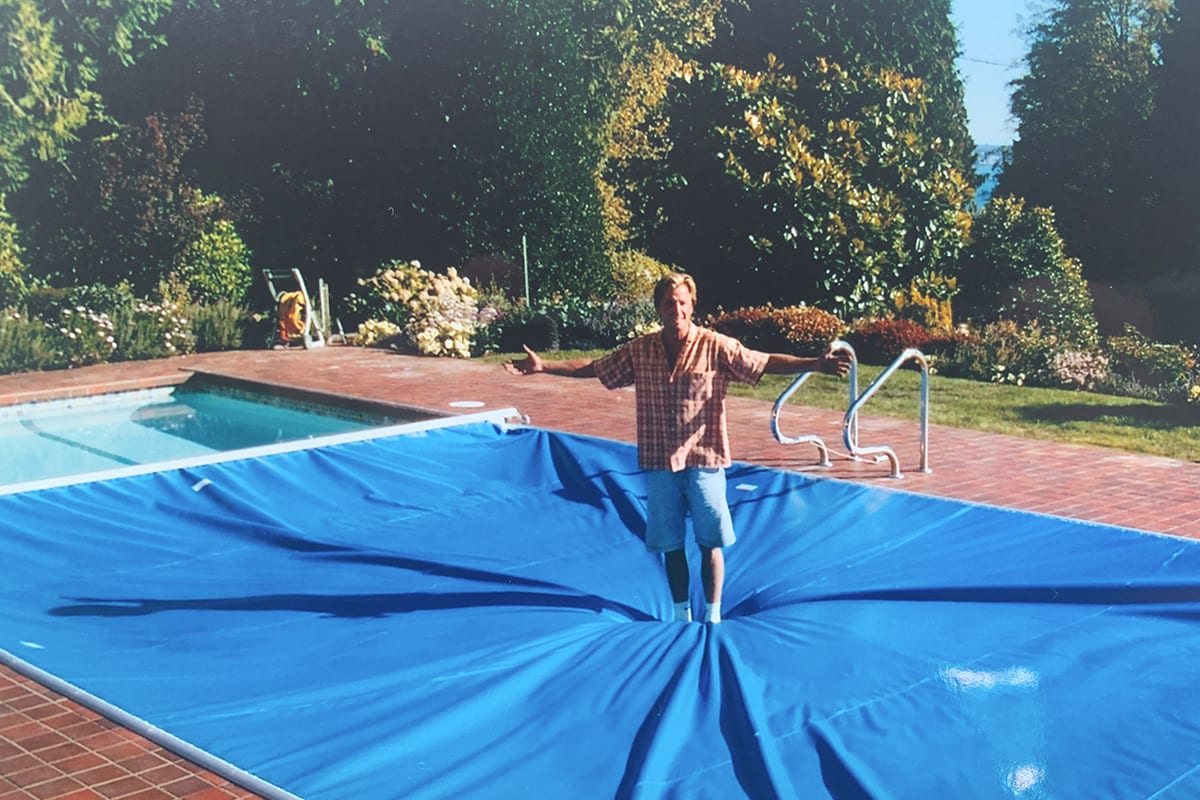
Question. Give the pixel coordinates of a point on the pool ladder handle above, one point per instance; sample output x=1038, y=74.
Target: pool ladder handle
x=850, y=423
x=813, y=439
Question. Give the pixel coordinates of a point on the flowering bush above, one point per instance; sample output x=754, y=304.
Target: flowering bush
x=443, y=337
x=170, y=320
x=84, y=337
x=438, y=313
x=444, y=316
x=376, y=332
x=1080, y=369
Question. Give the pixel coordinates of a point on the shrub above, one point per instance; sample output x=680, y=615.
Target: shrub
x=927, y=302
x=799, y=330
x=378, y=333
x=1004, y=352
x=1017, y=268
x=1140, y=367
x=25, y=344
x=216, y=265
x=12, y=270
x=219, y=326
x=881, y=341
x=569, y=321
x=607, y=324
x=45, y=302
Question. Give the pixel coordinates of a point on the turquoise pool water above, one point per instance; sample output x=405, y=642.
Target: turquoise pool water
x=96, y=434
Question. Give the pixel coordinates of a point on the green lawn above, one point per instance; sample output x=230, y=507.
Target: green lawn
x=1122, y=423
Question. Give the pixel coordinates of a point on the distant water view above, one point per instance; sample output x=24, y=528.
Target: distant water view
x=989, y=159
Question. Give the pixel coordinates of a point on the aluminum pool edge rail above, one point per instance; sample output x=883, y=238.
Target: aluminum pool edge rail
x=499, y=416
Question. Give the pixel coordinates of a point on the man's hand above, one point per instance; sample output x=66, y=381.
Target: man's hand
x=526, y=366
x=835, y=363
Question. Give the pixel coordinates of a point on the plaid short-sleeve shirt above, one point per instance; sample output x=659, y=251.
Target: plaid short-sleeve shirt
x=681, y=411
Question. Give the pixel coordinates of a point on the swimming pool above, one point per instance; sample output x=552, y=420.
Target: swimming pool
x=79, y=436
x=469, y=611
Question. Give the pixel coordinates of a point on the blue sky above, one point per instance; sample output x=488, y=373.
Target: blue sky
x=993, y=49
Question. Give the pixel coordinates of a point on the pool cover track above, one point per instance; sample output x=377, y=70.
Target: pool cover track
x=469, y=611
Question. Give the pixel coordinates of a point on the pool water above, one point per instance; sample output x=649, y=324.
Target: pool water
x=83, y=435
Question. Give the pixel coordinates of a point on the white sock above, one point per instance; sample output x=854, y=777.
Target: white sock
x=683, y=611
x=712, y=612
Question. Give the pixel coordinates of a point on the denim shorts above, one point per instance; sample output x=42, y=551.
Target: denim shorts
x=672, y=496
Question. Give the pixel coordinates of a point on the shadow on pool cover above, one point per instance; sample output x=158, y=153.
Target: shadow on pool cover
x=471, y=613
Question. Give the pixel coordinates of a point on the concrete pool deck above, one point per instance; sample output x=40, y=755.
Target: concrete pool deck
x=50, y=747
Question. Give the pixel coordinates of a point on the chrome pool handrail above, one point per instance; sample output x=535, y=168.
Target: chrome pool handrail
x=850, y=422
x=835, y=346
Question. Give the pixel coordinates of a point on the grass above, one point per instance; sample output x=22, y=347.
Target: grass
x=1056, y=415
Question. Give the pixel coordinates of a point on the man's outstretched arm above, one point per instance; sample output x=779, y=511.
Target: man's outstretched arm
x=533, y=363
x=830, y=363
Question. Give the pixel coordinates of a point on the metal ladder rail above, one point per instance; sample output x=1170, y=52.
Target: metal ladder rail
x=850, y=423
x=836, y=345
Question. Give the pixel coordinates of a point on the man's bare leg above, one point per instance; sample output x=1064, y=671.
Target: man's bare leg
x=712, y=575
x=678, y=580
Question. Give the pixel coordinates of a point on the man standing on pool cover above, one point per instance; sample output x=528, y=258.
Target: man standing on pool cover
x=680, y=377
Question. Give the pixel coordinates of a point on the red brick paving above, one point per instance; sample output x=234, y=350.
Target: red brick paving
x=52, y=748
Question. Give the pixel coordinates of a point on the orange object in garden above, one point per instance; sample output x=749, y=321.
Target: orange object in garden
x=291, y=316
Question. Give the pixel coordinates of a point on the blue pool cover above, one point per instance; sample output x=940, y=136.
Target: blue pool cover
x=470, y=613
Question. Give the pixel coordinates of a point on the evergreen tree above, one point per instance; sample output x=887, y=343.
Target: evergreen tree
x=1082, y=110
x=1174, y=146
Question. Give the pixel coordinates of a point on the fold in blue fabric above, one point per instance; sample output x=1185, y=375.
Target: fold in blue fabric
x=471, y=613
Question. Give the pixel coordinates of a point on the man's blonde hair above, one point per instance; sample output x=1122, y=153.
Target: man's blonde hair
x=667, y=284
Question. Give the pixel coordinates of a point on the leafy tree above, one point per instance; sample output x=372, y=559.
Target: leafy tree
x=445, y=132
x=50, y=59
x=1082, y=110
x=841, y=197
x=299, y=123
x=915, y=38
x=754, y=244
x=129, y=210
x=572, y=94
x=12, y=269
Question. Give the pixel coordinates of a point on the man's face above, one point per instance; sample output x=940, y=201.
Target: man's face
x=675, y=310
